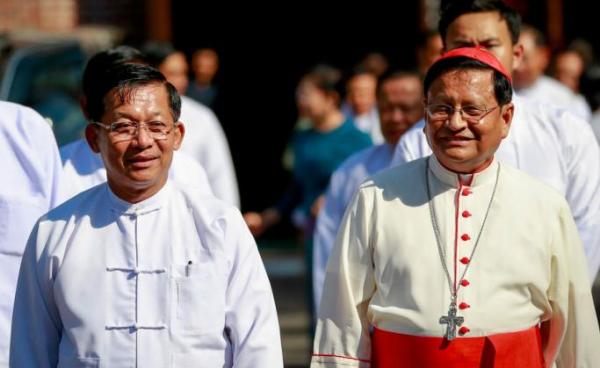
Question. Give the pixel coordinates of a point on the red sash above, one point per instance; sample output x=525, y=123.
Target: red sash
x=514, y=349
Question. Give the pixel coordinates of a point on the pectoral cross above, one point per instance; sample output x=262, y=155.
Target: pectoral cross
x=452, y=321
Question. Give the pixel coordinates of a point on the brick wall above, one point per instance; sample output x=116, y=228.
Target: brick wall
x=45, y=15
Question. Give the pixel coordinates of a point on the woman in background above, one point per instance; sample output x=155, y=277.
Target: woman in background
x=317, y=151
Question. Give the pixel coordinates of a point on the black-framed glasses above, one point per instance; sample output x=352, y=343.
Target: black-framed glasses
x=121, y=131
x=472, y=114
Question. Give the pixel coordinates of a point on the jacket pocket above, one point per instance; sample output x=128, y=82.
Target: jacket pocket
x=199, y=297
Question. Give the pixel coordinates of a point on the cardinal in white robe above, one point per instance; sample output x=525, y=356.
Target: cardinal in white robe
x=457, y=260
x=548, y=143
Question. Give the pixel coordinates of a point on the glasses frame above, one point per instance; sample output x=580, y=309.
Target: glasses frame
x=452, y=110
x=111, y=133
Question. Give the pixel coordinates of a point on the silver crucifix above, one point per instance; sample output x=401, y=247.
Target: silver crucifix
x=452, y=321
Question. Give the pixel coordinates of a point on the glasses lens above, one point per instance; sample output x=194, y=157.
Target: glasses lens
x=124, y=131
x=439, y=112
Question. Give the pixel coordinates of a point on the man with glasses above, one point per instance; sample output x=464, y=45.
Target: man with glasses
x=455, y=259
x=141, y=271
x=84, y=168
x=548, y=143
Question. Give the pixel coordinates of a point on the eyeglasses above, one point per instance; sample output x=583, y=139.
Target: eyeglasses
x=126, y=130
x=472, y=114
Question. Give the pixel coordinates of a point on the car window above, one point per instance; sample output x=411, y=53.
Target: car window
x=47, y=78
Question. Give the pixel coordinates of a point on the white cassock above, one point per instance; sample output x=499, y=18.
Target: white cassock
x=205, y=141
x=552, y=146
x=31, y=185
x=83, y=169
x=386, y=288
x=550, y=91
x=344, y=182
x=173, y=281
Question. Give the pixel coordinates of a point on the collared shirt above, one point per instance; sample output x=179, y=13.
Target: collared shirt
x=553, y=146
x=31, y=185
x=173, y=281
x=386, y=269
x=342, y=186
x=205, y=141
x=84, y=169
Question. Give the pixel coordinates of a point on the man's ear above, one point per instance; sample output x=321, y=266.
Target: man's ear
x=91, y=136
x=83, y=106
x=179, y=133
x=507, y=114
x=517, y=54
x=424, y=104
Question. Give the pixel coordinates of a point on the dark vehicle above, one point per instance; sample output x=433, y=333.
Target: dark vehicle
x=46, y=77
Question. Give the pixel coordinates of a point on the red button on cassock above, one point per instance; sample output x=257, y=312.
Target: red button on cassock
x=466, y=192
x=466, y=214
x=464, y=282
x=465, y=237
x=464, y=330
x=464, y=260
x=464, y=305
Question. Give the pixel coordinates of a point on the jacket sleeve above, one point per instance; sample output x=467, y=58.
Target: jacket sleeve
x=342, y=336
x=250, y=317
x=36, y=328
x=582, y=155
x=572, y=337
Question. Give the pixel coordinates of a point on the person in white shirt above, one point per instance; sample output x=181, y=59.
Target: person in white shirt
x=205, y=140
x=83, y=168
x=33, y=184
x=141, y=271
x=400, y=107
x=548, y=143
x=531, y=82
x=456, y=259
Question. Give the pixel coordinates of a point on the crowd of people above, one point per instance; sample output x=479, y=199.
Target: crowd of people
x=449, y=214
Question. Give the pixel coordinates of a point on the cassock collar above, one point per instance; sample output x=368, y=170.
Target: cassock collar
x=487, y=175
x=153, y=203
